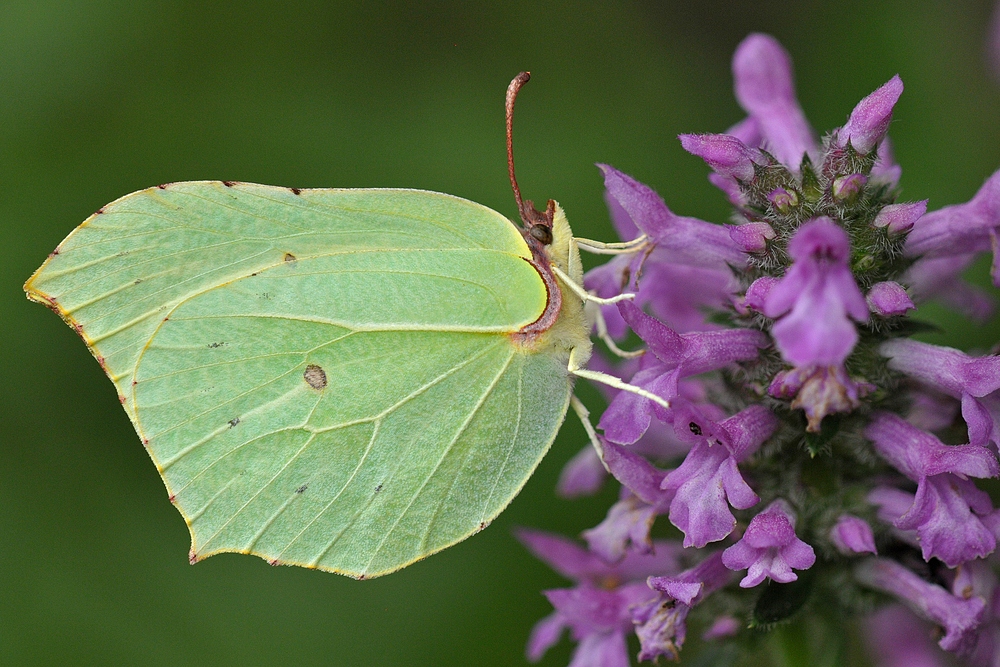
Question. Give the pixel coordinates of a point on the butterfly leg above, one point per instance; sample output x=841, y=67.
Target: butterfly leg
x=597, y=376
x=587, y=296
x=581, y=411
x=600, y=248
x=595, y=315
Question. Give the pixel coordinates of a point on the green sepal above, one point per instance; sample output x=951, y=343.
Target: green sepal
x=779, y=602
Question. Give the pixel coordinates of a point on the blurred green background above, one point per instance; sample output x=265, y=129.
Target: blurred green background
x=98, y=99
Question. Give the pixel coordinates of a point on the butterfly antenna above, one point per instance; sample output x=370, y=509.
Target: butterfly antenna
x=536, y=223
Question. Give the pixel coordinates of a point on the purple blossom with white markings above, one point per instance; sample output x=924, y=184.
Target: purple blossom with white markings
x=776, y=415
x=816, y=298
x=948, y=510
x=769, y=549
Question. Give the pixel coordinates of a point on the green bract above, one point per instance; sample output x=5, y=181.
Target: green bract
x=348, y=380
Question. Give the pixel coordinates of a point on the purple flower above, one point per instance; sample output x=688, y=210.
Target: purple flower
x=660, y=623
x=961, y=229
x=977, y=579
x=821, y=295
x=886, y=170
x=723, y=626
x=674, y=356
x=969, y=379
x=709, y=480
x=572, y=561
x=852, y=535
x=888, y=299
x=948, y=510
x=629, y=520
x=959, y=617
x=597, y=618
x=597, y=609
x=897, y=638
x=931, y=410
x=687, y=270
x=765, y=88
x=769, y=548
x=819, y=391
x=891, y=504
x=582, y=475
x=688, y=240
x=727, y=156
x=940, y=278
x=870, y=119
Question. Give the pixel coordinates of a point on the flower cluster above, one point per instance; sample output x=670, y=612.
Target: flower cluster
x=813, y=455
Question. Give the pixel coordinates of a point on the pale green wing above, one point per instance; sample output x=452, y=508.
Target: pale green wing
x=118, y=275
x=323, y=377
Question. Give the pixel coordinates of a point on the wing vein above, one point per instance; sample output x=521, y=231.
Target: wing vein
x=461, y=430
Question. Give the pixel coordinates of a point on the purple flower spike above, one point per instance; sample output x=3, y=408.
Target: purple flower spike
x=852, y=535
x=709, y=480
x=727, y=156
x=769, y=548
x=751, y=237
x=899, y=218
x=959, y=617
x=959, y=229
x=765, y=89
x=888, y=298
x=969, y=379
x=660, y=624
x=821, y=294
x=870, y=119
x=948, y=511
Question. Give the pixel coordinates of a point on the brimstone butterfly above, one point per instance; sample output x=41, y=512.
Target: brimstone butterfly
x=348, y=380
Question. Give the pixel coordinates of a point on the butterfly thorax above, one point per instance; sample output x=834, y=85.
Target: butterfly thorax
x=563, y=327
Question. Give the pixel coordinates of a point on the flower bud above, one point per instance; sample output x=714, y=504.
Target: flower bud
x=870, y=119
x=752, y=237
x=848, y=187
x=899, y=218
x=888, y=298
x=783, y=200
